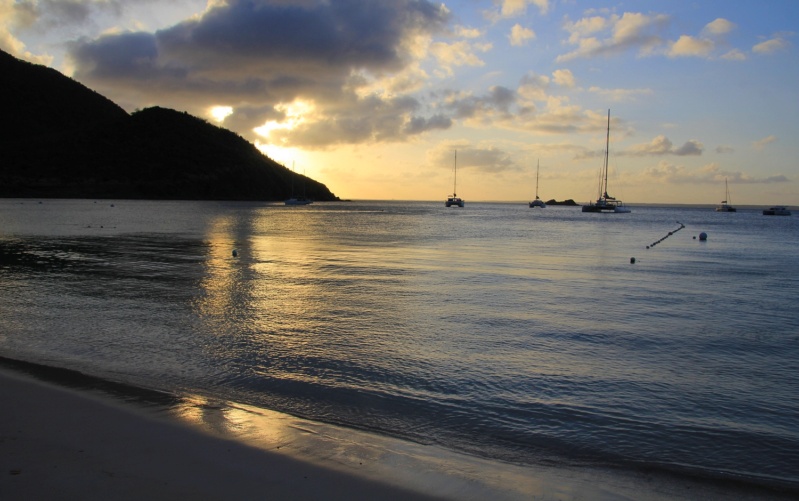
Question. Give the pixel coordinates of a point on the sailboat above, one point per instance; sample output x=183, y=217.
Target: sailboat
x=605, y=202
x=454, y=199
x=294, y=200
x=537, y=202
x=724, y=206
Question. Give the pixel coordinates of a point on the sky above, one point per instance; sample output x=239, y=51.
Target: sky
x=374, y=98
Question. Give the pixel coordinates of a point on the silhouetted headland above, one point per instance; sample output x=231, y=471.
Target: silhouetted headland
x=68, y=141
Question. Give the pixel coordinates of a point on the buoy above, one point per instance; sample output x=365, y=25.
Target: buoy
x=235, y=253
x=632, y=260
x=703, y=236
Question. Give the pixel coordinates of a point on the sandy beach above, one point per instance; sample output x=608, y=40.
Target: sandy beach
x=62, y=443
x=58, y=443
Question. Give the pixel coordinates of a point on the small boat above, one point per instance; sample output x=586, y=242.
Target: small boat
x=537, y=202
x=295, y=200
x=605, y=202
x=724, y=206
x=777, y=210
x=454, y=200
x=298, y=201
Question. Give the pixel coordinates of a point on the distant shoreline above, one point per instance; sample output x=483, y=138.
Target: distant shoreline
x=565, y=203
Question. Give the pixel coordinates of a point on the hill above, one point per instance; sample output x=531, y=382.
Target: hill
x=65, y=140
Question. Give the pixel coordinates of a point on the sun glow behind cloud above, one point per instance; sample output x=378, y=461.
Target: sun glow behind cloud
x=220, y=113
x=294, y=114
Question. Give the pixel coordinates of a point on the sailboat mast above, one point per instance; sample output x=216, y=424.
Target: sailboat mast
x=455, y=184
x=537, y=165
x=607, y=148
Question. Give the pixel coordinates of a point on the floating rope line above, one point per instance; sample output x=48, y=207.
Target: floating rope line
x=667, y=236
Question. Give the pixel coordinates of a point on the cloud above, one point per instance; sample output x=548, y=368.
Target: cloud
x=688, y=46
x=460, y=53
x=16, y=16
x=534, y=87
x=770, y=46
x=514, y=8
x=712, y=173
x=484, y=159
x=631, y=30
x=620, y=95
x=609, y=35
x=519, y=35
x=47, y=14
x=724, y=149
x=734, y=55
x=354, y=61
x=418, y=125
x=362, y=120
x=661, y=145
x=762, y=143
x=481, y=109
x=564, y=78
x=719, y=26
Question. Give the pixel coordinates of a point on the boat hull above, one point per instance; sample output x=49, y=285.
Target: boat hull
x=776, y=211
x=607, y=208
x=454, y=203
x=298, y=201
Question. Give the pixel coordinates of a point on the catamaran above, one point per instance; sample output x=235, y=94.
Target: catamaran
x=537, y=202
x=605, y=202
x=454, y=199
x=295, y=200
x=725, y=206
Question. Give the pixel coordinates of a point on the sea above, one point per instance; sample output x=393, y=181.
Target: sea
x=662, y=340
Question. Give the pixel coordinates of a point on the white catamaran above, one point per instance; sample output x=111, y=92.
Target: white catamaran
x=605, y=202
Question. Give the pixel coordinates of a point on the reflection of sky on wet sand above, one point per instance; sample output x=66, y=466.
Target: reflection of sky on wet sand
x=429, y=469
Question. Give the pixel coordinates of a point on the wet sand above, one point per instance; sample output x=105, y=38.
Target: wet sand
x=57, y=443
x=63, y=443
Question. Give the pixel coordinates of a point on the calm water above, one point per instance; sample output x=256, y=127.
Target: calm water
x=510, y=333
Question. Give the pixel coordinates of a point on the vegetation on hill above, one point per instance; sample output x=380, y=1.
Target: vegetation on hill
x=68, y=141
x=568, y=202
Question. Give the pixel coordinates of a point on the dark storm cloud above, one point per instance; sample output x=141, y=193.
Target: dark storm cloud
x=258, y=54
x=126, y=56
x=345, y=33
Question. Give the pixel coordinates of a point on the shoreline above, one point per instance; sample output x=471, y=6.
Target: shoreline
x=59, y=443
x=84, y=442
